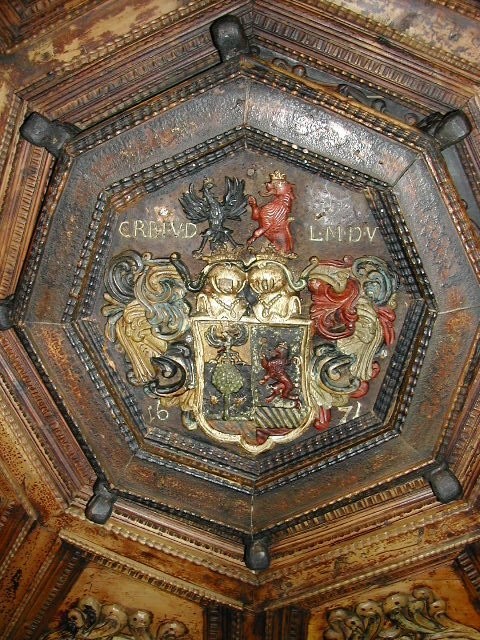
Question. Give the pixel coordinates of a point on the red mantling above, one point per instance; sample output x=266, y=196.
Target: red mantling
x=334, y=314
x=386, y=317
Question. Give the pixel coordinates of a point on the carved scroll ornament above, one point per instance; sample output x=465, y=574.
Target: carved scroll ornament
x=89, y=619
x=420, y=615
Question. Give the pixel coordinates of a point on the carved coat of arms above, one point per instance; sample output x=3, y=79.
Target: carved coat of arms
x=250, y=348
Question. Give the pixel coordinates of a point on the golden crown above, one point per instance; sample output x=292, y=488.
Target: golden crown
x=276, y=176
x=225, y=254
x=268, y=253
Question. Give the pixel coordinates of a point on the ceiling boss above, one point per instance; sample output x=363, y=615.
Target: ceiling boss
x=245, y=349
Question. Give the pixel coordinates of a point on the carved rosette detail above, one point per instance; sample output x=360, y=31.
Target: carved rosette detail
x=420, y=615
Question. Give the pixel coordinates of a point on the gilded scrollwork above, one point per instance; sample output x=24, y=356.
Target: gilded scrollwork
x=91, y=620
x=148, y=321
x=353, y=312
x=419, y=615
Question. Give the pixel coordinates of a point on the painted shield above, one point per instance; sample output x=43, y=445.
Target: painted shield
x=252, y=382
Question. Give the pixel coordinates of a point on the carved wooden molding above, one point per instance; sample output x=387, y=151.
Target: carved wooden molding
x=468, y=565
x=392, y=40
x=222, y=623
x=69, y=469
x=466, y=437
x=86, y=140
x=169, y=536
x=16, y=519
x=21, y=19
x=380, y=71
x=46, y=588
x=333, y=578
x=182, y=588
x=148, y=56
x=290, y=623
x=466, y=7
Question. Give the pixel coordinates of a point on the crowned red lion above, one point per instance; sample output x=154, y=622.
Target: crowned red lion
x=274, y=217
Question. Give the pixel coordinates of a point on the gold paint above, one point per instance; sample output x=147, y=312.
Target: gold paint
x=363, y=344
x=158, y=290
x=42, y=52
x=232, y=331
x=221, y=311
x=277, y=294
x=184, y=401
x=71, y=51
x=365, y=341
x=123, y=22
x=220, y=295
x=5, y=89
x=199, y=327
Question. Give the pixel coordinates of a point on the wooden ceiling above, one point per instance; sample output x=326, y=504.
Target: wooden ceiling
x=211, y=540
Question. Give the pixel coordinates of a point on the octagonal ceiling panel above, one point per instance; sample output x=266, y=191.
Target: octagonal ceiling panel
x=296, y=352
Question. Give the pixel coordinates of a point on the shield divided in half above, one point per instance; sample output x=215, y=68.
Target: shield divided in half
x=251, y=380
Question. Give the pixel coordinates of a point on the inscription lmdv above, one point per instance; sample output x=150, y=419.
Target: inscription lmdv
x=337, y=233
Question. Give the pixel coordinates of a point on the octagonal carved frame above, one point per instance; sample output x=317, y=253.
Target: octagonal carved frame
x=415, y=180
x=314, y=542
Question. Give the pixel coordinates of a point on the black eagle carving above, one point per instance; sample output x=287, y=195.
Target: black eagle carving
x=208, y=208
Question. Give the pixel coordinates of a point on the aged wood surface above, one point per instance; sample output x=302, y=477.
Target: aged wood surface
x=339, y=519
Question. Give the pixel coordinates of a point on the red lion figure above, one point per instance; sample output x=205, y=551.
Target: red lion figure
x=275, y=368
x=274, y=217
